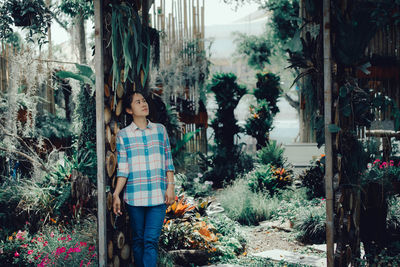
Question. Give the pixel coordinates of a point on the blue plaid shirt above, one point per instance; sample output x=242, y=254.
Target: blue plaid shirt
x=144, y=157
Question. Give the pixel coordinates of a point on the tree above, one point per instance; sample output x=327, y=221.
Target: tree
x=227, y=160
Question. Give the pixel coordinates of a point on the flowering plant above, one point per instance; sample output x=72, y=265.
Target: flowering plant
x=383, y=172
x=52, y=247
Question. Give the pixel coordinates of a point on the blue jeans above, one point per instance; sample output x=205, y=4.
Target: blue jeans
x=146, y=223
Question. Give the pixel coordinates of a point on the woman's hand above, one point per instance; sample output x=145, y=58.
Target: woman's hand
x=170, y=194
x=117, y=205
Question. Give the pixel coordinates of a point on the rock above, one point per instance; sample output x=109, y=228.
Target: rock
x=186, y=257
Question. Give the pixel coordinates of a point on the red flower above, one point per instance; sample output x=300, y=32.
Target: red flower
x=30, y=252
x=16, y=254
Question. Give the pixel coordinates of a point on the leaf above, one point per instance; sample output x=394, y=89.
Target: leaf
x=67, y=74
x=84, y=70
x=364, y=68
x=333, y=128
x=186, y=138
x=343, y=91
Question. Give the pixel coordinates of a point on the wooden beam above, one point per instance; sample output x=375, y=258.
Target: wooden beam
x=100, y=142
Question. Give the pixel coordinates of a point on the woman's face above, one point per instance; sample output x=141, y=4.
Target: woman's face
x=139, y=106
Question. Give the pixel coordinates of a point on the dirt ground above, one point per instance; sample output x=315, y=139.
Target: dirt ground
x=271, y=235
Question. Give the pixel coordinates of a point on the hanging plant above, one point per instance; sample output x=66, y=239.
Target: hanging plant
x=130, y=43
x=30, y=14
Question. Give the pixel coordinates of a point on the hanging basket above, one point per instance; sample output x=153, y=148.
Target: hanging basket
x=22, y=20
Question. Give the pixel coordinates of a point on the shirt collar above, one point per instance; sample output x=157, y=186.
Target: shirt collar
x=135, y=127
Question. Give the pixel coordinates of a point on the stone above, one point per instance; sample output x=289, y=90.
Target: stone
x=292, y=257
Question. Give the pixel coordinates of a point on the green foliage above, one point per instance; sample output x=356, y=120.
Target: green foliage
x=85, y=114
x=285, y=18
x=260, y=123
x=227, y=94
x=52, y=126
x=130, y=43
x=354, y=32
x=311, y=223
x=86, y=109
x=393, y=216
x=257, y=49
x=226, y=166
x=85, y=75
x=268, y=179
x=227, y=160
x=28, y=14
x=53, y=245
x=313, y=179
x=245, y=206
x=77, y=7
x=268, y=88
x=194, y=186
x=272, y=154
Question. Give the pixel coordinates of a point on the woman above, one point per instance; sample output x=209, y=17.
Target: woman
x=145, y=166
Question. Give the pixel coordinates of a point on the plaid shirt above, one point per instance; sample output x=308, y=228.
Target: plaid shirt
x=144, y=157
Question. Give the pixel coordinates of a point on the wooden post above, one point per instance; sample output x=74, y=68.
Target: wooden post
x=328, y=138
x=100, y=142
x=185, y=19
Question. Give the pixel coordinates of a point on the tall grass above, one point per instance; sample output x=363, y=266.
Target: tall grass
x=245, y=206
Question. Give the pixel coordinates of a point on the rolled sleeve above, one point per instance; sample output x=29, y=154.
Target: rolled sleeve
x=122, y=158
x=169, y=164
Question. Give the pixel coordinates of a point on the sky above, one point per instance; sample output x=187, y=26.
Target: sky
x=216, y=13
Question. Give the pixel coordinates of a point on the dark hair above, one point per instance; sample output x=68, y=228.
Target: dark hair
x=127, y=99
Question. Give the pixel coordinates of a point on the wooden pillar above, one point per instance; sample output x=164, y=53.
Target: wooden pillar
x=100, y=143
x=328, y=138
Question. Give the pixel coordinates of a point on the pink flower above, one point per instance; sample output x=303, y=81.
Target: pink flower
x=92, y=248
x=45, y=244
x=16, y=254
x=52, y=234
x=24, y=245
x=80, y=265
x=30, y=252
x=40, y=239
x=376, y=161
x=77, y=250
x=383, y=165
x=391, y=163
x=83, y=244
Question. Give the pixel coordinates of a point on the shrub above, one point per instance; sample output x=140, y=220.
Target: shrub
x=267, y=178
x=268, y=89
x=393, y=217
x=61, y=247
x=311, y=223
x=313, y=179
x=272, y=154
x=245, y=206
x=226, y=155
x=195, y=187
x=260, y=123
x=226, y=166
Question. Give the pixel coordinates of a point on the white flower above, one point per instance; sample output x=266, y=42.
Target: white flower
x=196, y=180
